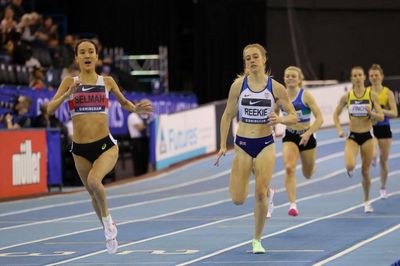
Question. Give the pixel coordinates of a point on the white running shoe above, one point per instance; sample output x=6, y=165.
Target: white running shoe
x=368, y=208
x=110, y=232
x=112, y=246
x=383, y=193
x=270, y=202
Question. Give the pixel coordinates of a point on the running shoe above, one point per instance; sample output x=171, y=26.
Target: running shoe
x=270, y=202
x=368, y=208
x=257, y=247
x=350, y=173
x=112, y=246
x=383, y=193
x=110, y=232
x=293, y=211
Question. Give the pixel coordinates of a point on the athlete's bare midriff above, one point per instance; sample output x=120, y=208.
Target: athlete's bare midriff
x=253, y=130
x=89, y=127
x=360, y=125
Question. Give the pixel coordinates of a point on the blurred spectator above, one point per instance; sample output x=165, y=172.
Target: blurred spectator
x=47, y=31
x=45, y=120
x=55, y=53
x=34, y=26
x=19, y=118
x=139, y=143
x=67, y=51
x=24, y=26
x=71, y=71
x=18, y=50
x=16, y=6
x=7, y=24
x=38, y=79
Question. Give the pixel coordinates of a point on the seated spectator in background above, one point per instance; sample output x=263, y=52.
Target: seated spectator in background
x=16, y=6
x=18, y=50
x=19, y=118
x=32, y=61
x=67, y=51
x=137, y=127
x=48, y=30
x=7, y=24
x=71, y=71
x=44, y=120
x=34, y=26
x=38, y=79
x=24, y=27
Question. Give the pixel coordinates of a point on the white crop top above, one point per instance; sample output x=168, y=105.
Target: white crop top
x=89, y=99
x=255, y=107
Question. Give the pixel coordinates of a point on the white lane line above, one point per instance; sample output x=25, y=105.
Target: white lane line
x=358, y=245
x=169, y=198
x=278, y=232
x=237, y=218
x=305, y=183
x=134, y=183
x=198, y=180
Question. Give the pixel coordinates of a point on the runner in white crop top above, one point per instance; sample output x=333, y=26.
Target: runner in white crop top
x=89, y=98
x=94, y=151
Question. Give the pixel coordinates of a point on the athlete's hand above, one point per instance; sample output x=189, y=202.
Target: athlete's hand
x=222, y=152
x=273, y=119
x=72, y=88
x=143, y=107
x=304, y=138
x=368, y=109
x=341, y=134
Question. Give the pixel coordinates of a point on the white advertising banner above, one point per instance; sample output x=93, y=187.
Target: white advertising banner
x=185, y=135
x=327, y=98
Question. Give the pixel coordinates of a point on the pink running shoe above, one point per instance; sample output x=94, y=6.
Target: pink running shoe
x=293, y=212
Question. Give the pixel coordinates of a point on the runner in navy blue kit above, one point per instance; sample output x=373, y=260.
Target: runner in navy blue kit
x=94, y=149
x=382, y=131
x=254, y=95
x=299, y=139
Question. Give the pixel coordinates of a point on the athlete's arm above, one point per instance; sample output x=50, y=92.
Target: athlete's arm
x=309, y=100
x=392, y=111
x=142, y=107
x=376, y=115
x=230, y=112
x=339, y=108
x=282, y=99
x=66, y=88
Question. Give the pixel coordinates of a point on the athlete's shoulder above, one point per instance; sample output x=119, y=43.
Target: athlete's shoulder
x=277, y=85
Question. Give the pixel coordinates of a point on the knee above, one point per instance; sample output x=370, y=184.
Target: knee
x=260, y=195
x=290, y=170
x=365, y=172
x=93, y=185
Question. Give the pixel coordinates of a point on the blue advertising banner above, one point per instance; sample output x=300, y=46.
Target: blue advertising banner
x=54, y=166
x=117, y=115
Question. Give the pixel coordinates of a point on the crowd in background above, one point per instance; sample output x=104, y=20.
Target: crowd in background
x=34, y=41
